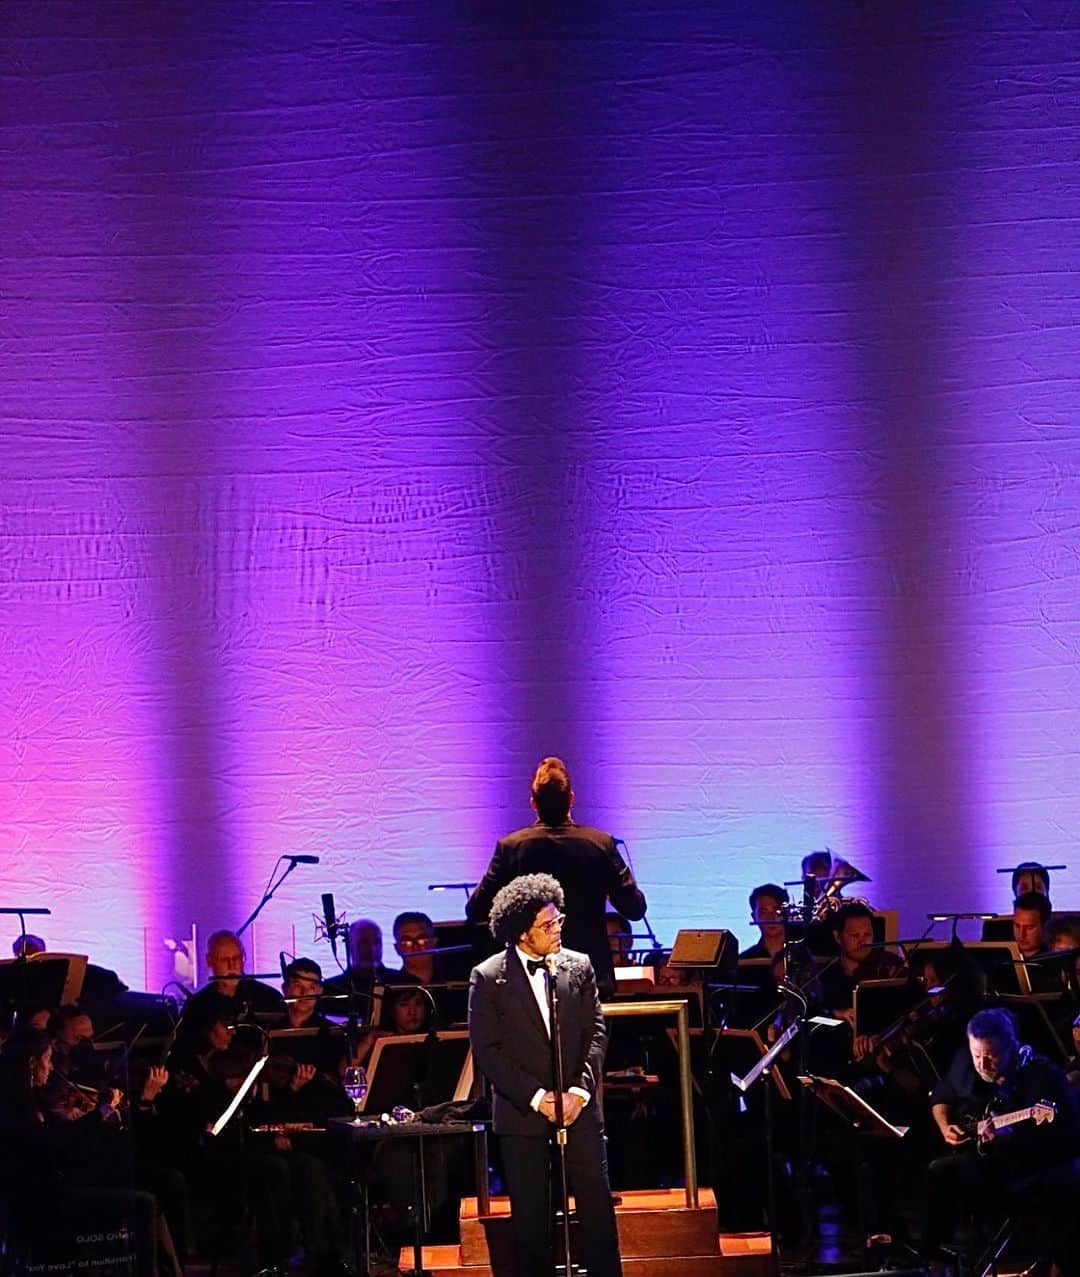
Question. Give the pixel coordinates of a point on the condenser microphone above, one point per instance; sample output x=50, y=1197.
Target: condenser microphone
x=302, y=860
x=330, y=918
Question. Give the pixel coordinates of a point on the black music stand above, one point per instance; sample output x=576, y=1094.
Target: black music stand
x=877, y=1004
x=361, y=1132
x=865, y=1123
x=418, y=1069
x=48, y=979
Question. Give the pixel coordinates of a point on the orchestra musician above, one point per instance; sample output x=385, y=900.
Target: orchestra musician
x=226, y=959
x=1033, y=1161
x=225, y=1176
x=60, y=1172
x=767, y=905
x=857, y=959
x=1029, y=875
x=414, y=938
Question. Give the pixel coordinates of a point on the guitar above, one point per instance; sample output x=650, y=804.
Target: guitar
x=1040, y=1112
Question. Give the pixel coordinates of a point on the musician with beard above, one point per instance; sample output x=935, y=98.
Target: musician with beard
x=1031, y=1160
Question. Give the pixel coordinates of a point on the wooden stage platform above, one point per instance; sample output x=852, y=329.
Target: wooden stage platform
x=659, y=1236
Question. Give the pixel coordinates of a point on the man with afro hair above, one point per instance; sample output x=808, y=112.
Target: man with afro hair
x=509, y=1027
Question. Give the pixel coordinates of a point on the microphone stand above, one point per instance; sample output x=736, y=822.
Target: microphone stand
x=13, y=999
x=560, y=1125
x=271, y=888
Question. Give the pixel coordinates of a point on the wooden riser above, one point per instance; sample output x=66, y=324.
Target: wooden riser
x=659, y=1236
x=445, y=1260
x=651, y=1223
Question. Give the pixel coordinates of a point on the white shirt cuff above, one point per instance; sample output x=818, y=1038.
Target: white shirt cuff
x=583, y=1094
x=534, y=1103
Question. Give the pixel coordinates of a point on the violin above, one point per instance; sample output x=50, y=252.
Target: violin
x=79, y=1101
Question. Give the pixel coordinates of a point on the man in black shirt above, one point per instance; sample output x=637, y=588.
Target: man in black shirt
x=767, y=904
x=585, y=862
x=1031, y=1160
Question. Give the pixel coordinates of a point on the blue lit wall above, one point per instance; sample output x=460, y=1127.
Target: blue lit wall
x=395, y=393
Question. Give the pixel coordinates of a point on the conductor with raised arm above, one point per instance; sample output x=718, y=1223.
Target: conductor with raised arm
x=510, y=1034
x=585, y=861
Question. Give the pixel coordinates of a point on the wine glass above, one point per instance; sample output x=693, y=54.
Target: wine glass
x=355, y=1083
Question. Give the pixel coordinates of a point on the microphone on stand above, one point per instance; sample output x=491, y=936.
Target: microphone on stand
x=302, y=860
x=330, y=918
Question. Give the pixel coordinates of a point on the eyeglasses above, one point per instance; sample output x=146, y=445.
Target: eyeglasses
x=416, y=942
x=552, y=925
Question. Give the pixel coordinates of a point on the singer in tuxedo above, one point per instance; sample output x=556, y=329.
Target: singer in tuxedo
x=585, y=861
x=509, y=1028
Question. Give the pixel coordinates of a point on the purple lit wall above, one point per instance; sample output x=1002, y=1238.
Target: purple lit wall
x=393, y=394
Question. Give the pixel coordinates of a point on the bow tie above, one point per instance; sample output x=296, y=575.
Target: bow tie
x=533, y=967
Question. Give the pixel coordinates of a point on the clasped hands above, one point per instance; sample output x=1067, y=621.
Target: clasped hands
x=572, y=1106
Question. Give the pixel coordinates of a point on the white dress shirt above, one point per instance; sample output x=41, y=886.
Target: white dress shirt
x=538, y=983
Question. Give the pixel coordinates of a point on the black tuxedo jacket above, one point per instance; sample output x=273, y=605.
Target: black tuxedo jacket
x=511, y=1046
x=590, y=870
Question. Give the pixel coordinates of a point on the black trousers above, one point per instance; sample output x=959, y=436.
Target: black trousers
x=527, y=1164
x=963, y=1181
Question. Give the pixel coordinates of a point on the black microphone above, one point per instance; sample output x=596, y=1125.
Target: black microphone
x=284, y=964
x=330, y=918
x=302, y=860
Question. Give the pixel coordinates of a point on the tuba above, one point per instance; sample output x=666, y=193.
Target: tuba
x=831, y=899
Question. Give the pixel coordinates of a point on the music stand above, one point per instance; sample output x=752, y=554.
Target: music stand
x=877, y=1004
x=997, y=961
x=245, y=1086
x=865, y=1123
x=1034, y=1024
x=439, y=1064
x=749, y=1009
x=750, y=1049
x=47, y=979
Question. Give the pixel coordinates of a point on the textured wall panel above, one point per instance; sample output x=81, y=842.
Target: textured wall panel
x=394, y=393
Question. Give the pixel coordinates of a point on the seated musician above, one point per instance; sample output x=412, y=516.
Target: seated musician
x=1031, y=915
x=63, y=1173
x=72, y=1033
x=414, y=937
x=246, y=998
x=365, y=971
x=26, y=945
x=303, y=1087
x=1030, y=924
x=206, y=1067
x=406, y=1010
x=857, y=960
x=1030, y=1161
x=1029, y=875
x=816, y=865
x=319, y=1056
x=767, y=904
x=1062, y=975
